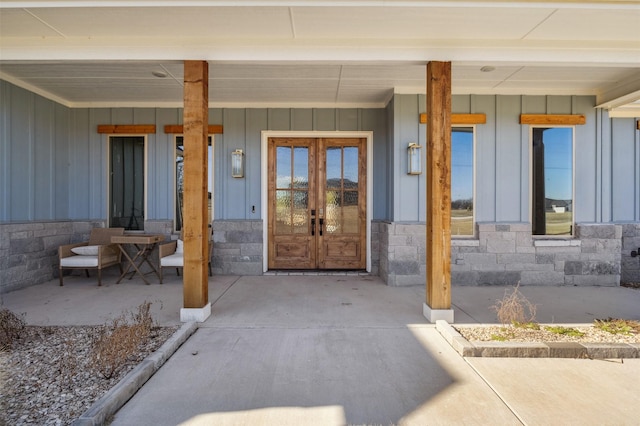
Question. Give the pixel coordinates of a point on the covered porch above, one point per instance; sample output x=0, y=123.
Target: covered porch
x=234, y=71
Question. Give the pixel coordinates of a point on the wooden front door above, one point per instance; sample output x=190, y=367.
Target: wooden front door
x=317, y=203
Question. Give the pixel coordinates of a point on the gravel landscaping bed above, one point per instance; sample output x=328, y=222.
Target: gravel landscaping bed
x=47, y=378
x=587, y=333
x=519, y=334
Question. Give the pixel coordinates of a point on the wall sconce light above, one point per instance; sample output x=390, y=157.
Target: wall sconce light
x=414, y=152
x=237, y=164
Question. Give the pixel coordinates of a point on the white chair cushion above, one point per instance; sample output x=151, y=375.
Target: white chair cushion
x=175, y=260
x=180, y=246
x=79, y=261
x=85, y=250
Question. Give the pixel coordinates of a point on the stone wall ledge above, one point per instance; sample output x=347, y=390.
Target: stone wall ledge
x=557, y=243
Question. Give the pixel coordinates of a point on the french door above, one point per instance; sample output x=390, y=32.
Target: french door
x=317, y=203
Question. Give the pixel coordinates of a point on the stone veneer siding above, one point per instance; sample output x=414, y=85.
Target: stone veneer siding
x=403, y=252
x=507, y=254
x=237, y=247
x=29, y=251
x=503, y=253
x=630, y=242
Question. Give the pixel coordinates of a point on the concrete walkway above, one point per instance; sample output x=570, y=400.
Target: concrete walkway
x=335, y=350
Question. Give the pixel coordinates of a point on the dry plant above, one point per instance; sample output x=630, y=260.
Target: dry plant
x=11, y=326
x=68, y=362
x=119, y=341
x=515, y=309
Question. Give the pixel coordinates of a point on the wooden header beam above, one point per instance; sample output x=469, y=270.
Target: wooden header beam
x=461, y=118
x=178, y=129
x=553, y=119
x=128, y=129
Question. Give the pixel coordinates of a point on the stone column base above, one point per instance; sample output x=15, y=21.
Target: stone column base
x=434, y=315
x=195, y=314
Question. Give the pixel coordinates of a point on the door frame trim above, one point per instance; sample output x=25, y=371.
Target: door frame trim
x=266, y=134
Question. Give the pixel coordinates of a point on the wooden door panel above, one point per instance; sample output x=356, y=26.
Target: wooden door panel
x=317, y=203
x=291, y=193
x=342, y=200
x=293, y=253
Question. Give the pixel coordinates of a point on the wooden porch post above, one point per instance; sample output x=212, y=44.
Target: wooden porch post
x=195, y=226
x=438, y=168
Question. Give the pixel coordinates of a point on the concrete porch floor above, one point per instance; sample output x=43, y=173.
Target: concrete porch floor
x=334, y=350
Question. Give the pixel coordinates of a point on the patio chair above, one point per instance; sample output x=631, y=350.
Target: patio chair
x=97, y=253
x=171, y=255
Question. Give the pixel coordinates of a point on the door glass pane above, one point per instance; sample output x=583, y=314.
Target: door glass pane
x=283, y=212
x=350, y=212
x=341, y=201
x=292, y=197
x=333, y=212
x=334, y=167
x=350, y=167
x=283, y=167
x=300, y=212
x=301, y=167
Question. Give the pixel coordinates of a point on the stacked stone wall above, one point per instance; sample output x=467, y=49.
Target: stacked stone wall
x=502, y=253
x=402, y=253
x=630, y=242
x=237, y=247
x=507, y=254
x=29, y=251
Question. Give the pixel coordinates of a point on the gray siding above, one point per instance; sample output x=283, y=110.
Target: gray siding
x=54, y=164
x=624, y=176
x=34, y=156
x=607, y=160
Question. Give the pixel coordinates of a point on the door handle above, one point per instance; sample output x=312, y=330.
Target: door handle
x=321, y=223
x=313, y=226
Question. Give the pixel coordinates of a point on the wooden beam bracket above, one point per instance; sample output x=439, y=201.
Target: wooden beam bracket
x=461, y=118
x=553, y=119
x=126, y=129
x=178, y=129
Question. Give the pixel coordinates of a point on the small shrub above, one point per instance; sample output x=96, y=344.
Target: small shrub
x=514, y=308
x=618, y=326
x=527, y=325
x=11, y=327
x=566, y=331
x=119, y=341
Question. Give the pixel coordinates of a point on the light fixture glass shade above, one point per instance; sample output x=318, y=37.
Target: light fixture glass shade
x=237, y=164
x=414, y=152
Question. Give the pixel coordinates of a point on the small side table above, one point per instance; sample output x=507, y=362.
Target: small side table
x=144, y=244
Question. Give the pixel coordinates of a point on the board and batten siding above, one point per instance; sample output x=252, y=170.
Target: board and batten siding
x=54, y=164
x=34, y=156
x=607, y=158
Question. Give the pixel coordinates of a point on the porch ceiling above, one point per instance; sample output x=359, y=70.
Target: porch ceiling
x=319, y=53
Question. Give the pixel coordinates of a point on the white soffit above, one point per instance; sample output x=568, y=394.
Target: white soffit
x=331, y=52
